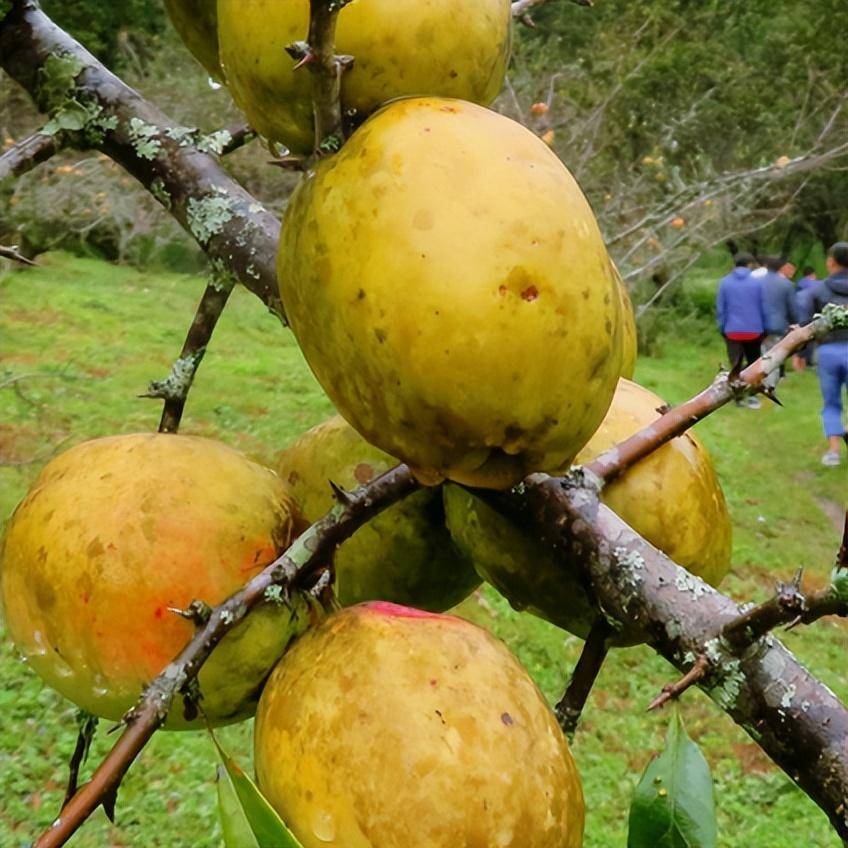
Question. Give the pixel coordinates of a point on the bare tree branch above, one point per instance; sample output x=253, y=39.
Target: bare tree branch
x=290, y=572
x=24, y=155
x=724, y=388
x=793, y=717
x=235, y=230
x=175, y=387
x=12, y=252
x=595, y=650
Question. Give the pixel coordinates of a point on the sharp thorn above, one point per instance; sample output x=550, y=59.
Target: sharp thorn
x=340, y=494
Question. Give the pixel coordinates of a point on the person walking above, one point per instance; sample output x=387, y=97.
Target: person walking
x=832, y=350
x=780, y=308
x=809, y=278
x=739, y=314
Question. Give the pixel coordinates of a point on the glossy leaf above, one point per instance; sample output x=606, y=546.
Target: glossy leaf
x=673, y=806
x=234, y=825
x=265, y=827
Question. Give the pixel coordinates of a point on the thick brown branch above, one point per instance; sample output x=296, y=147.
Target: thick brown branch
x=291, y=571
x=724, y=388
x=318, y=55
x=570, y=707
x=24, y=155
x=175, y=387
x=232, y=227
x=794, y=718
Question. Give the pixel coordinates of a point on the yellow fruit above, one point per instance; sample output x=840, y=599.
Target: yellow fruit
x=116, y=531
x=627, y=325
x=671, y=497
x=405, y=554
x=390, y=727
x=400, y=48
x=449, y=287
x=196, y=22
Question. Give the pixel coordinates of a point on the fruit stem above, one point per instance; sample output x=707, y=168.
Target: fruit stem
x=318, y=55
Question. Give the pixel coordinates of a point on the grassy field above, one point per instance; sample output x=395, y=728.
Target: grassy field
x=79, y=339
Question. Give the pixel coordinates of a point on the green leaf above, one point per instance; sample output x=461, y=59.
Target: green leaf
x=673, y=806
x=234, y=825
x=247, y=807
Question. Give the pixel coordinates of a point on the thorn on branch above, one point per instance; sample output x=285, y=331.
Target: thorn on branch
x=87, y=724
x=341, y=495
x=197, y=611
x=674, y=690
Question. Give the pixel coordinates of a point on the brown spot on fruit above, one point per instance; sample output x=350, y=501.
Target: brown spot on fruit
x=530, y=294
x=506, y=718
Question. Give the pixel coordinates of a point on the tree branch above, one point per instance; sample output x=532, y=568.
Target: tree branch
x=726, y=387
x=12, y=252
x=289, y=572
x=230, y=225
x=595, y=650
x=794, y=718
x=26, y=154
x=175, y=387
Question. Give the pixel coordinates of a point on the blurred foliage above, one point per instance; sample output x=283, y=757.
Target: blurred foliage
x=674, y=101
x=118, y=33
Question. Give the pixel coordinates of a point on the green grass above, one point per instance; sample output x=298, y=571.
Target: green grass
x=84, y=338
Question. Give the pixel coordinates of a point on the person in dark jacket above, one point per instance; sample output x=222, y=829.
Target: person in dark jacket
x=739, y=314
x=832, y=350
x=780, y=307
x=804, y=357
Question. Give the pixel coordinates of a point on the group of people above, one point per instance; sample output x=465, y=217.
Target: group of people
x=756, y=305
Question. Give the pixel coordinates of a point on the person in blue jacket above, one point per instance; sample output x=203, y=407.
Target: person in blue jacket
x=832, y=350
x=739, y=314
x=780, y=307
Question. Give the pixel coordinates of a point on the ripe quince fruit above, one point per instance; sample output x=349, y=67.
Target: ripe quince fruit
x=448, y=284
x=117, y=532
x=394, y=727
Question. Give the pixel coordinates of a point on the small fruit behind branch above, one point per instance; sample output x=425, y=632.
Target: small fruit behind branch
x=671, y=497
x=196, y=22
x=629, y=336
x=448, y=284
x=117, y=532
x=393, y=727
x=400, y=48
x=406, y=554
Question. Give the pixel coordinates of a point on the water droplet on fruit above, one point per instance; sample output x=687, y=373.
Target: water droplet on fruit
x=323, y=826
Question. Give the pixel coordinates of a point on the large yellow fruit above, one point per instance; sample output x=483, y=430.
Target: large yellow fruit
x=671, y=497
x=449, y=287
x=405, y=554
x=196, y=22
x=387, y=727
x=114, y=532
x=400, y=48
x=629, y=339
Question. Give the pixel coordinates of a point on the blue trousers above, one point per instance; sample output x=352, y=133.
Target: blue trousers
x=833, y=379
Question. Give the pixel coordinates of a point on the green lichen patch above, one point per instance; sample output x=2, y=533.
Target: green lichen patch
x=176, y=385
x=161, y=193
x=57, y=80
x=208, y=215
x=214, y=143
x=144, y=138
